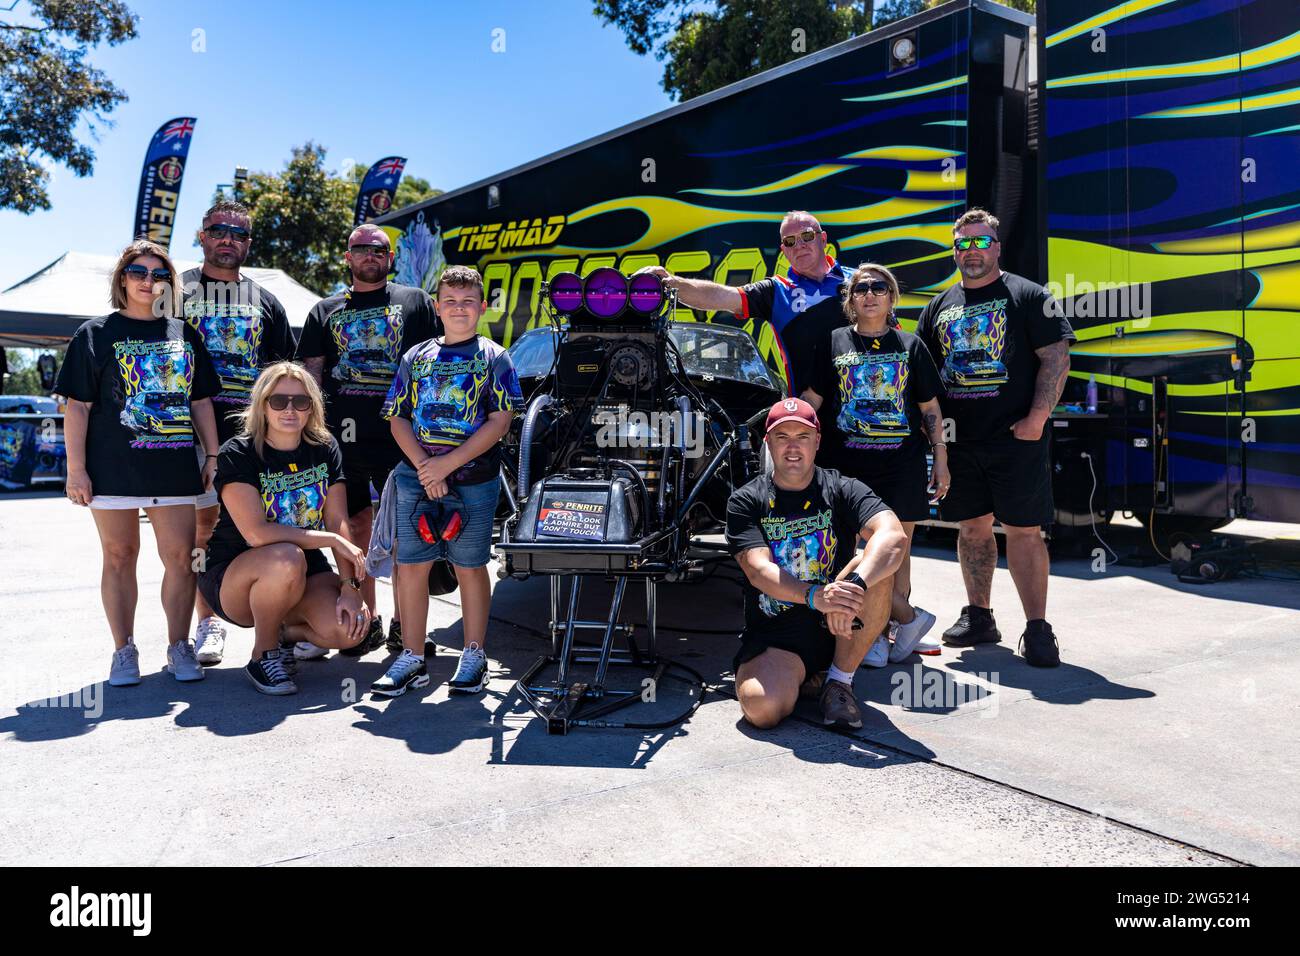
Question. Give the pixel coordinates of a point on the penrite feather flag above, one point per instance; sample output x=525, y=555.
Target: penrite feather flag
x=378, y=188
x=160, y=180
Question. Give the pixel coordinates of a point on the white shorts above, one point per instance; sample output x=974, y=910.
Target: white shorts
x=134, y=503
x=209, y=498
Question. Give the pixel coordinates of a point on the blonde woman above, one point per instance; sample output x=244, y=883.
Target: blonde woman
x=139, y=384
x=283, y=502
x=882, y=390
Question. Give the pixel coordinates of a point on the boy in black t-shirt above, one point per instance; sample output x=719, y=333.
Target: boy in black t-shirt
x=352, y=343
x=450, y=405
x=1002, y=345
x=793, y=534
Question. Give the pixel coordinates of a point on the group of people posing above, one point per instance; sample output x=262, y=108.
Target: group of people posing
x=974, y=386
x=251, y=456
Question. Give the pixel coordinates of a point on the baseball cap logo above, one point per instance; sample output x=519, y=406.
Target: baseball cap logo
x=791, y=405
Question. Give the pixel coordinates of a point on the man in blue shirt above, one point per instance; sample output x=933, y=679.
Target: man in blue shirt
x=801, y=306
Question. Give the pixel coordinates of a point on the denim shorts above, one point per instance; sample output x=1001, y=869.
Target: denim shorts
x=477, y=505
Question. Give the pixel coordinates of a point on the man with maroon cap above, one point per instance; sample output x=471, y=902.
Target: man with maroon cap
x=813, y=605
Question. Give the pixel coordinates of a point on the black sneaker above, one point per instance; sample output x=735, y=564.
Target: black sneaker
x=472, y=672
x=1038, y=645
x=268, y=676
x=975, y=626
x=374, y=639
x=287, y=660
x=394, y=642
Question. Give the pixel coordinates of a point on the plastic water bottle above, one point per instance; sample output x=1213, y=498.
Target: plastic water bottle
x=1092, y=394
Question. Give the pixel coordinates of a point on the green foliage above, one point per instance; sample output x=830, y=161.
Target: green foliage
x=729, y=40
x=47, y=88
x=302, y=216
x=301, y=219
x=709, y=45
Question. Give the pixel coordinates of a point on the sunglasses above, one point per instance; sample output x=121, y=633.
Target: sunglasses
x=358, y=251
x=805, y=237
x=223, y=231
x=301, y=403
x=872, y=287
x=139, y=272
x=979, y=242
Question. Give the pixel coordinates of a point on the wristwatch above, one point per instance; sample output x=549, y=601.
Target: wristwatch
x=353, y=583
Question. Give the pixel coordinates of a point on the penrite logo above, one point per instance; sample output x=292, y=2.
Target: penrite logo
x=170, y=170
x=506, y=237
x=75, y=909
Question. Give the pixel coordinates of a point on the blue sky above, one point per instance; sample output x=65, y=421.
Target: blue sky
x=366, y=80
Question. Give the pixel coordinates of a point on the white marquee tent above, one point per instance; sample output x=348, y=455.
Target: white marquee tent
x=43, y=310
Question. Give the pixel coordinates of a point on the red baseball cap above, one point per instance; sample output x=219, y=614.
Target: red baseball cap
x=792, y=410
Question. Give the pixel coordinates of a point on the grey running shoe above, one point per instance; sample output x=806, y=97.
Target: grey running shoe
x=125, y=669
x=183, y=663
x=839, y=707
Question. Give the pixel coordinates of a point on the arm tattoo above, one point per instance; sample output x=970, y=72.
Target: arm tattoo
x=932, y=428
x=1054, y=366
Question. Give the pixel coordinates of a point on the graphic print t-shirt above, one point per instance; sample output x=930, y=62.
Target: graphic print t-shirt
x=872, y=388
x=447, y=392
x=983, y=341
x=140, y=376
x=244, y=328
x=802, y=312
x=292, y=485
x=362, y=337
x=811, y=534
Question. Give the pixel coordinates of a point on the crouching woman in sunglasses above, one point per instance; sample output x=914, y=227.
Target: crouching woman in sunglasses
x=281, y=485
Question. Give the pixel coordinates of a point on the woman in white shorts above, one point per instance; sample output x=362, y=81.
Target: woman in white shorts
x=139, y=384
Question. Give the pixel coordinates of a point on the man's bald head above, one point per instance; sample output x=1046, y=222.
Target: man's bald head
x=368, y=235
x=802, y=218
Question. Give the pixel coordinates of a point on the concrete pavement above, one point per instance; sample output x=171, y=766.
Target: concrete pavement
x=1167, y=737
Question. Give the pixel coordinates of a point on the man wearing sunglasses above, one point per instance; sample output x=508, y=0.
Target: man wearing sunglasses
x=1002, y=345
x=352, y=343
x=801, y=307
x=245, y=329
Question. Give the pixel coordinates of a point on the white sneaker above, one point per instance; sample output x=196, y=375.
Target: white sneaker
x=307, y=651
x=183, y=663
x=930, y=645
x=908, y=635
x=210, y=640
x=125, y=669
x=878, y=656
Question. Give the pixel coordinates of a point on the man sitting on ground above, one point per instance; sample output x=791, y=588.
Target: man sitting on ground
x=812, y=605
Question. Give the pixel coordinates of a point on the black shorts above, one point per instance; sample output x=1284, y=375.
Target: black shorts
x=1010, y=478
x=814, y=644
x=365, y=464
x=902, y=488
x=211, y=577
